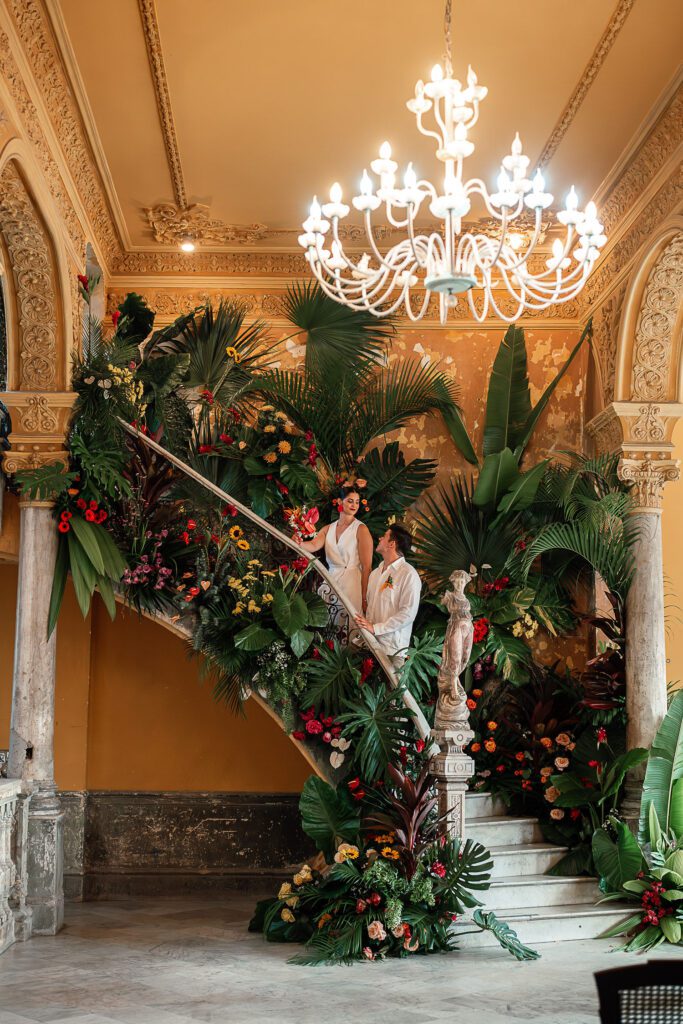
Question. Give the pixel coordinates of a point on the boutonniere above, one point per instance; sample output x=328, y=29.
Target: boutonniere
x=388, y=583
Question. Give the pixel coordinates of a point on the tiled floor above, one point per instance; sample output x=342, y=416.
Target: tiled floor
x=187, y=960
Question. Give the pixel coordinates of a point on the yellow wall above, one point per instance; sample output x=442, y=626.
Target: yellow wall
x=132, y=714
x=672, y=518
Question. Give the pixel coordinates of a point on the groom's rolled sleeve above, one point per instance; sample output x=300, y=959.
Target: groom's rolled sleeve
x=410, y=603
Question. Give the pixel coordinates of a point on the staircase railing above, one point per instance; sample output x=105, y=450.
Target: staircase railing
x=413, y=708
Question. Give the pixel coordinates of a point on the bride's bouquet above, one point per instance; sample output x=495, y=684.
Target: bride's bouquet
x=301, y=521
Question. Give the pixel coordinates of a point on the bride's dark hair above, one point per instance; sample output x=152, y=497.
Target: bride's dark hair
x=347, y=489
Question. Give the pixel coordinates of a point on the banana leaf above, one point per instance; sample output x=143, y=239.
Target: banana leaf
x=498, y=474
x=663, y=787
x=508, y=404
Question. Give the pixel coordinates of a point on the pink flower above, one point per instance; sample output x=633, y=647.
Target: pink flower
x=367, y=953
x=376, y=931
x=314, y=727
x=438, y=869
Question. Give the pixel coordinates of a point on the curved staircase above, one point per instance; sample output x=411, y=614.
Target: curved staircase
x=540, y=907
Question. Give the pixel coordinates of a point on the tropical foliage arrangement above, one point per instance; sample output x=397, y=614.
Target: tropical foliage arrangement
x=385, y=884
x=209, y=390
x=649, y=870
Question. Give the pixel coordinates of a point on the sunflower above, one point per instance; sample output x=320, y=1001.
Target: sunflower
x=243, y=545
x=390, y=854
x=235, y=532
x=233, y=353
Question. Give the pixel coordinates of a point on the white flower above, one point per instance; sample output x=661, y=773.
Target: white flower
x=336, y=759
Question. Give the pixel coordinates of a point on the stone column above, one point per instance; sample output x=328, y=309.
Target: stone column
x=452, y=769
x=31, y=756
x=645, y=637
x=642, y=433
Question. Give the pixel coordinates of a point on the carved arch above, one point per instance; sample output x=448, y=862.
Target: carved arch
x=650, y=340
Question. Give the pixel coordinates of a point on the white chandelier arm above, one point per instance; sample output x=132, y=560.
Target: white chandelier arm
x=428, y=132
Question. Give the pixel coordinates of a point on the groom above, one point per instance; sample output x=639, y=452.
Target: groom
x=393, y=595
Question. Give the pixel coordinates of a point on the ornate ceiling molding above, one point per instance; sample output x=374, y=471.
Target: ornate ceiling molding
x=171, y=224
x=33, y=29
x=150, y=30
x=590, y=72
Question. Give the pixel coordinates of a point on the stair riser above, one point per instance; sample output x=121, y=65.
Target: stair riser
x=548, y=929
x=560, y=893
x=505, y=833
x=483, y=805
x=524, y=862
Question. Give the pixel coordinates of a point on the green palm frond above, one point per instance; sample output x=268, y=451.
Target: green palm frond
x=452, y=533
x=332, y=679
x=378, y=727
x=393, y=484
x=611, y=557
x=336, y=335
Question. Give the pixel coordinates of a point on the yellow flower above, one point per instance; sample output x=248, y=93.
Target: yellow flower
x=242, y=444
x=292, y=901
x=285, y=890
x=346, y=851
x=289, y=428
x=267, y=598
x=287, y=915
x=253, y=607
x=284, y=447
x=303, y=875
x=268, y=572
x=233, y=353
x=270, y=458
x=238, y=609
x=270, y=429
x=517, y=629
x=235, y=584
x=390, y=854
x=243, y=545
x=253, y=561
x=324, y=919
x=235, y=532
x=281, y=416
x=267, y=408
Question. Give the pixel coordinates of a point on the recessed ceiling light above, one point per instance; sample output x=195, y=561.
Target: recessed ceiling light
x=187, y=245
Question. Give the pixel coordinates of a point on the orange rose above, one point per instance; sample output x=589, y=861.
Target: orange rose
x=490, y=745
x=471, y=704
x=477, y=693
x=492, y=726
x=546, y=742
x=475, y=748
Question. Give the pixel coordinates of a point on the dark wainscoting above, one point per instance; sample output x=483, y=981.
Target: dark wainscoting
x=130, y=844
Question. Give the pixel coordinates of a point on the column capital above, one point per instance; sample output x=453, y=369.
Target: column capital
x=648, y=472
x=40, y=421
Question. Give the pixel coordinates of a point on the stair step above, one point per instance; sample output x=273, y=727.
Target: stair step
x=530, y=859
x=483, y=805
x=500, y=830
x=535, y=925
x=539, y=891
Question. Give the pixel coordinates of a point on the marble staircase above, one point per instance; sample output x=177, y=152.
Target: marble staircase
x=540, y=907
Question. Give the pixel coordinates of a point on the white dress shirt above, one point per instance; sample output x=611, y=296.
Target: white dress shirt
x=393, y=603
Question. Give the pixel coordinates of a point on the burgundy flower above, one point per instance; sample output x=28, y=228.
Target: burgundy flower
x=299, y=734
x=419, y=746
x=84, y=281
x=81, y=503
x=315, y=654
x=330, y=644
x=226, y=439
x=314, y=727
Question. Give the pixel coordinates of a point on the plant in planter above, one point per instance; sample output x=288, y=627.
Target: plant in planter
x=649, y=870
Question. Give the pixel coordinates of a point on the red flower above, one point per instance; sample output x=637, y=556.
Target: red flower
x=438, y=869
x=315, y=654
x=360, y=906
x=92, y=505
x=375, y=899
x=330, y=644
x=66, y=515
x=359, y=794
x=520, y=545
x=601, y=735
x=235, y=415
x=207, y=396
x=314, y=727
x=594, y=764
x=115, y=317
x=500, y=767
x=281, y=487
x=481, y=628
x=353, y=783
x=419, y=746
x=101, y=516
x=307, y=715
x=84, y=281
x=184, y=536
x=81, y=503
x=299, y=734
x=90, y=516
x=300, y=564
x=403, y=755
x=309, y=435
x=192, y=592
x=229, y=510
x=204, y=449
x=574, y=813
x=63, y=527
x=327, y=722
x=366, y=669
x=284, y=567
x=191, y=525
x=226, y=439
x=327, y=737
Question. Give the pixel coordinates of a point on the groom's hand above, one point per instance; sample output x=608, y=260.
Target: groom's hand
x=365, y=624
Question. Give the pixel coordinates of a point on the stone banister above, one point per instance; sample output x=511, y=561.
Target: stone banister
x=10, y=790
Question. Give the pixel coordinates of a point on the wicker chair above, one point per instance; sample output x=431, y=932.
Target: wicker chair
x=650, y=993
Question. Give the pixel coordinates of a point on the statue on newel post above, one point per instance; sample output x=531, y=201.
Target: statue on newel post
x=451, y=767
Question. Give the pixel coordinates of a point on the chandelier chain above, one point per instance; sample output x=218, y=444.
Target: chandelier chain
x=447, y=27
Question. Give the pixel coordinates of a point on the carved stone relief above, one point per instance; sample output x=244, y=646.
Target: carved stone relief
x=654, y=341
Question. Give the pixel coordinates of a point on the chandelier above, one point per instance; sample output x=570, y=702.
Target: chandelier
x=457, y=258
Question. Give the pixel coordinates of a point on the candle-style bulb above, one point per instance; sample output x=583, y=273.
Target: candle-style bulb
x=471, y=77
x=539, y=183
x=558, y=250
x=572, y=200
x=437, y=73
x=315, y=209
x=591, y=211
x=366, y=184
x=336, y=193
x=516, y=145
x=410, y=177
x=385, y=151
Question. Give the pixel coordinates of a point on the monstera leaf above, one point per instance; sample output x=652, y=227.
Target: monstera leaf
x=326, y=816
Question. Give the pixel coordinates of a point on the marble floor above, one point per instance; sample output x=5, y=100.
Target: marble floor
x=178, y=961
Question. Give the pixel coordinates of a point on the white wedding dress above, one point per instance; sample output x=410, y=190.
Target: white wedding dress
x=343, y=561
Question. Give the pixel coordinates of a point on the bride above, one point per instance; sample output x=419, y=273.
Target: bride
x=348, y=550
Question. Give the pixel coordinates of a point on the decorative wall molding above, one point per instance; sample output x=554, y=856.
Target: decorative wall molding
x=155, y=56
x=35, y=343
x=654, y=345
x=606, y=320
x=170, y=223
x=590, y=72
x=39, y=425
